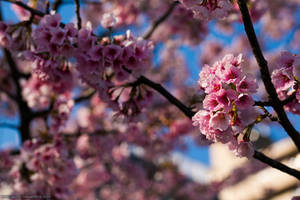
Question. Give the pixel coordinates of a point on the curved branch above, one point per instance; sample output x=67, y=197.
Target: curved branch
x=31, y=10
x=160, y=20
x=189, y=113
x=160, y=89
x=266, y=77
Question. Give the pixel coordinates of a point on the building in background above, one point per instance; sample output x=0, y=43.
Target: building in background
x=244, y=179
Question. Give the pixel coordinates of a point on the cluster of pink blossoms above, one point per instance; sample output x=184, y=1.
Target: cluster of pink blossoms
x=46, y=168
x=61, y=112
x=228, y=106
x=286, y=78
x=106, y=64
x=209, y=9
x=52, y=47
x=103, y=64
x=37, y=93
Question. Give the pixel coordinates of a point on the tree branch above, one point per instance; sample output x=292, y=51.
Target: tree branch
x=78, y=14
x=265, y=75
x=56, y=5
x=24, y=110
x=262, y=103
x=84, y=97
x=160, y=20
x=160, y=89
x=289, y=99
x=277, y=165
x=189, y=113
x=31, y=10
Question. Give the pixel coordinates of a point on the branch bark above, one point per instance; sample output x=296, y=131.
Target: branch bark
x=189, y=113
x=266, y=77
x=77, y=10
x=24, y=111
x=277, y=165
x=160, y=89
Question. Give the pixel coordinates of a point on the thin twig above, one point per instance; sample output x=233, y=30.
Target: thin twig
x=265, y=75
x=84, y=97
x=78, y=14
x=31, y=10
x=160, y=20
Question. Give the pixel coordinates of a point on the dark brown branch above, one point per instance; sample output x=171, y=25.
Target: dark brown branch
x=47, y=9
x=284, y=102
x=31, y=10
x=289, y=99
x=24, y=111
x=262, y=103
x=277, y=165
x=84, y=97
x=160, y=89
x=77, y=3
x=56, y=5
x=265, y=75
x=189, y=113
x=160, y=20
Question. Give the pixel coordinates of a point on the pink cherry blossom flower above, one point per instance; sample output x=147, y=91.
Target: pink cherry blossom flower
x=219, y=121
x=109, y=20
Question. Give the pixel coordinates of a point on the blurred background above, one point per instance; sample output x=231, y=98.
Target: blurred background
x=215, y=163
